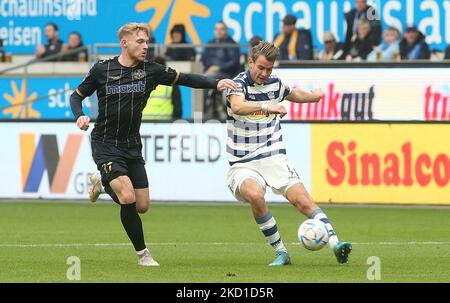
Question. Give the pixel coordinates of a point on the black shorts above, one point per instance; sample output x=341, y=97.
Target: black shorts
x=113, y=162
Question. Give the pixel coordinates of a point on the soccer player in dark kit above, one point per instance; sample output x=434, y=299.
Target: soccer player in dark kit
x=123, y=86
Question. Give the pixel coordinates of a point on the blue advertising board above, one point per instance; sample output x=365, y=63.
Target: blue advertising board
x=22, y=21
x=49, y=98
x=39, y=98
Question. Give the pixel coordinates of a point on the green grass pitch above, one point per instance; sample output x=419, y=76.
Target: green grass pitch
x=217, y=243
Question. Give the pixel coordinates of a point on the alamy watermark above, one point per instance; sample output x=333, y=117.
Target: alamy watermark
x=372, y=14
x=374, y=270
x=73, y=273
x=73, y=9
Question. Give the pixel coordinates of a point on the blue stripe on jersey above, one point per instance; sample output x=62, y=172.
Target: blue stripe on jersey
x=254, y=139
x=251, y=126
x=238, y=81
x=261, y=156
x=247, y=141
x=242, y=153
x=262, y=96
x=245, y=79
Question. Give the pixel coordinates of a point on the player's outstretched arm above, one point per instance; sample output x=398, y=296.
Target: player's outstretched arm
x=201, y=81
x=242, y=108
x=76, y=101
x=300, y=96
x=86, y=88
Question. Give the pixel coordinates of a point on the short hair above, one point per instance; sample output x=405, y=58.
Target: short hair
x=79, y=37
x=411, y=28
x=266, y=49
x=222, y=22
x=133, y=27
x=179, y=28
x=289, y=20
x=394, y=30
x=55, y=27
x=76, y=34
x=255, y=41
x=328, y=36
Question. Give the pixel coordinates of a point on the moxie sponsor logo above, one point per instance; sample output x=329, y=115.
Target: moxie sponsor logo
x=335, y=105
x=437, y=104
x=397, y=168
x=138, y=87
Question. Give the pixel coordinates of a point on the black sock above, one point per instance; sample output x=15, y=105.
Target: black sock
x=133, y=225
x=112, y=194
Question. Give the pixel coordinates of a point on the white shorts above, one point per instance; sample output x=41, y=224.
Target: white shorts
x=275, y=172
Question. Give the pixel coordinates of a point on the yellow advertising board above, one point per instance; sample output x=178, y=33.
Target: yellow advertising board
x=381, y=163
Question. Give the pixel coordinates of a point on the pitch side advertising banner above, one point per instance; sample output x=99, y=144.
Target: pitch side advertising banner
x=22, y=21
x=40, y=98
x=49, y=98
x=358, y=94
x=402, y=94
x=184, y=161
x=381, y=163
x=338, y=163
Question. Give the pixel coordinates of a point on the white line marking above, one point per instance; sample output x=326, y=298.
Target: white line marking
x=63, y=245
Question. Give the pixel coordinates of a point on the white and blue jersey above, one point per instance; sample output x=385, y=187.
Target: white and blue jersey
x=258, y=135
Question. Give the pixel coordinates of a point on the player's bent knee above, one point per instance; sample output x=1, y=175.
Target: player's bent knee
x=142, y=209
x=142, y=199
x=251, y=190
x=126, y=197
x=255, y=197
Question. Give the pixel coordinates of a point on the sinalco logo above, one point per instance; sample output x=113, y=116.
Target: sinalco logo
x=36, y=159
x=182, y=12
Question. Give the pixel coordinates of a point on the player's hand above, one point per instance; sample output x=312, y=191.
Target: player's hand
x=226, y=83
x=277, y=109
x=318, y=94
x=83, y=122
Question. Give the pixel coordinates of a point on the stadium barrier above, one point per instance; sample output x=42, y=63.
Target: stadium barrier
x=41, y=90
x=391, y=163
x=358, y=91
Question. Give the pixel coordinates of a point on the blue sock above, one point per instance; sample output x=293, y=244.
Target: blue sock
x=268, y=226
x=320, y=215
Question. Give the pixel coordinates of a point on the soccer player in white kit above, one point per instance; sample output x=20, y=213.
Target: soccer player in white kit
x=256, y=152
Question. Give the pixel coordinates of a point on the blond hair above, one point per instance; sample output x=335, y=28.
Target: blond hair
x=266, y=49
x=133, y=27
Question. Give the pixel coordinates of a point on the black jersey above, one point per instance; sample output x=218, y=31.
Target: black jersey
x=122, y=95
